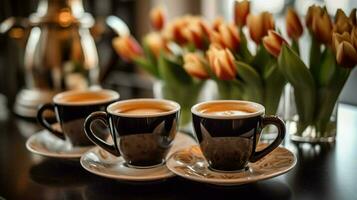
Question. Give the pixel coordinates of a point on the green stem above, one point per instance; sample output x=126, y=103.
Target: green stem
x=295, y=46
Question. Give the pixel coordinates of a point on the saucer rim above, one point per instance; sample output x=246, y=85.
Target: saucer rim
x=228, y=182
x=51, y=154
x=119, y=176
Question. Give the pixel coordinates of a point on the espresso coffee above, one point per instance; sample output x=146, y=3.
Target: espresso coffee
x=71, y=108
x=228, y=132
x=142, y=108
x=227, y=109
x=142, y=129
x=85, y=97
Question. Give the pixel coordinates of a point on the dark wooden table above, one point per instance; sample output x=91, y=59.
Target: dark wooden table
x=322, y=172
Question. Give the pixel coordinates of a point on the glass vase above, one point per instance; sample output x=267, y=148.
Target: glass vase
x=186, y=96
x=316, y=131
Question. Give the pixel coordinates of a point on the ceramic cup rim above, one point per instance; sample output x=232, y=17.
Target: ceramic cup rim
x=112, y=96
x=260, y=109
x=176, y=108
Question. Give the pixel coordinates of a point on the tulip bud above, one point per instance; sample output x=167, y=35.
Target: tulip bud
x=194, y=65
x=293, y=24
x=217, y=22
x=259, y=25
x=273, y=43
x=345, y=47
x=311, y=13
x=155, y=43
x=322, y=28
x=226, y=36
x=222, y=63
x=241, y=11
x=346, y=55
x=338, y=38
x=196, y=32
x=342, y=22
x=127, y=47
x=157, y=18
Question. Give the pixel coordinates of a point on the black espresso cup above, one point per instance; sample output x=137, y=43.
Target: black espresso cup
x=228, y=132
x=71, y=109
x=142, y=130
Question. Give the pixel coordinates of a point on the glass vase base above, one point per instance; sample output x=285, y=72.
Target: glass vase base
x=304, y=139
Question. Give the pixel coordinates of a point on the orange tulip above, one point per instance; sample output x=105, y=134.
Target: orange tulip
x=344, y=23
x=241, y=11
x=319, y=22
x=345, y=46
x=194, y=65
x=217, y=22
x=322, y=28
x=222, y=63
x=226, y=36
x=127, y=47
x=293, y=24
x=311, y=13
x=259, y=25
x=273, y=43
x=155, y=43
x=157, y=18
x=187, y=29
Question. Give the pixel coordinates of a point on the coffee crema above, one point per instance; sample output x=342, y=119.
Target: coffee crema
x=144, y=108
x=227, y=109
x=85, y=97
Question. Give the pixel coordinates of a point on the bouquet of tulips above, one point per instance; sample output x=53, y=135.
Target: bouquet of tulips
x=238, y=72
x=161, y=53
x=333, y=54
x=187, y=51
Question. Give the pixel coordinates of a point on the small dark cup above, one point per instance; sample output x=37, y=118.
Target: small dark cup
x=71, y=109
x=228, y=142
x=143, y=139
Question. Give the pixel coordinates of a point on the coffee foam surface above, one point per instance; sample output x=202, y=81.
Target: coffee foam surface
x=85, y=97
x=143, y=107
x=228, y=108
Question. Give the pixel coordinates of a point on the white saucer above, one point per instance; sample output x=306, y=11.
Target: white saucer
x=102, y=163
x=45, y=144
x=189, y=163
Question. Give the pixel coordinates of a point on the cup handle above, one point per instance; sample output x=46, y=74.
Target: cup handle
x=281, y=134
x=45, y=123
x=102, y=116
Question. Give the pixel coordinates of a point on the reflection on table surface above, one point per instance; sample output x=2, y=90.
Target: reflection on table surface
x=322, y=172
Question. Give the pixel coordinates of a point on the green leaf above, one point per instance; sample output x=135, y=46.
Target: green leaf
x=274, y=84
x=149, y=54
x=327, y=68
x=243, y=51
x=328, y=96
x=299, y=76
x=147, y=66
x=253, y=89
x=172, y=72
x=295, y=46
x=229, y=89
x=262, y=60
x=315, y=58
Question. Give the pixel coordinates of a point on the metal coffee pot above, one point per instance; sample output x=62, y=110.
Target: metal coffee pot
x=60, y=53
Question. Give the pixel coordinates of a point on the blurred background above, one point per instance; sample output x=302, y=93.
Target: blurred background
x=116, y=74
